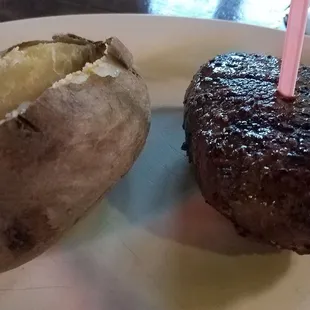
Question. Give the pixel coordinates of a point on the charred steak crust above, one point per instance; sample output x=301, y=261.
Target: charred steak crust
x=250, y=148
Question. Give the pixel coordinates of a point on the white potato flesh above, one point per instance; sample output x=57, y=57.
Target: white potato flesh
x=26, y=73
x=102, y=67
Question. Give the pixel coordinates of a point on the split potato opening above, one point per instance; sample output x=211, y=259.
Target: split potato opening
x=28, y=69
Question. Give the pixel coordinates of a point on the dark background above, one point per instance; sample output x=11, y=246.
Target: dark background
x=268, y=13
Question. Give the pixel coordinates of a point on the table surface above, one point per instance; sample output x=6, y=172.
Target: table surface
x=268, y=13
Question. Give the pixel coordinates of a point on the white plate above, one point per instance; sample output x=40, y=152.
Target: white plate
x=153, y=244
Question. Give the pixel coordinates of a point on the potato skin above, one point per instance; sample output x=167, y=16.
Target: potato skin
x=59, y=157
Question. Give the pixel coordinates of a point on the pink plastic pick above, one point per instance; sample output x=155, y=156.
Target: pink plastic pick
x=294, y=38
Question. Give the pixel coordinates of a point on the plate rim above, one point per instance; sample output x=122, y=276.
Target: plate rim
x=141, y=16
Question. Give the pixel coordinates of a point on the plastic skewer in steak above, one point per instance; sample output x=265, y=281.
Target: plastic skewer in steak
x=293, y=43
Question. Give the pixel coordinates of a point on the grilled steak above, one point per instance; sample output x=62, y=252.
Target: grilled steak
x=251, y=148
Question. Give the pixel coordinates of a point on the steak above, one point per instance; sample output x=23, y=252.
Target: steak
x=250, y=147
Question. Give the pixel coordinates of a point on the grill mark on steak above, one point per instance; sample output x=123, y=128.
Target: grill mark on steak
x=250, y=148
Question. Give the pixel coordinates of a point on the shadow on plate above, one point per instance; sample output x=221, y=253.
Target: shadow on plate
x=197, y=224
x=159, y=179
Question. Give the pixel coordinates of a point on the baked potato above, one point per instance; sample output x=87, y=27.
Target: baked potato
x=75, y=116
